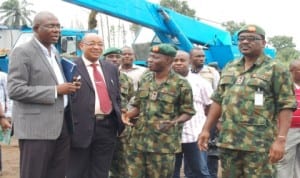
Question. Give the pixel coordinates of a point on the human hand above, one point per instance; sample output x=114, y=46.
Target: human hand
x=277, y=150
x=126, y=119
x=203, y=140
x=166, y=125
x=5, y=124
x=219, y=126
x=68, y=88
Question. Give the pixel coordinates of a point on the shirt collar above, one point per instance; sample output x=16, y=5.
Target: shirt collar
x=88, y=63
x=44, y=49
x=259, y=61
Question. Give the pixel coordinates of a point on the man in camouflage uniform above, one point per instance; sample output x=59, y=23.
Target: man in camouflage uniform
x=119, y=167
x=163, y=102
x=255, y=100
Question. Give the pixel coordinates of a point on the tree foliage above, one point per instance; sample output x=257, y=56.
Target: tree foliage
x=282, y=42
x=232, y=26
x=92, y=21
x=135, y=29
x=15, y=14
x=179, y=6
x=285, y=47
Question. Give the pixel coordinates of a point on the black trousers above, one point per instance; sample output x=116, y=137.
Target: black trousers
x=45, y=158
x=95, y=160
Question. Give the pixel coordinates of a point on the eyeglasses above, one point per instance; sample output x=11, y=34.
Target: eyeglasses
x=92, y=44
x=249, y=38
x=51, y=26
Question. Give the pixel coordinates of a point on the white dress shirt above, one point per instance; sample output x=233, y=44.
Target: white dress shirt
x=202, y=90
x=54, y=64
x=89, y=68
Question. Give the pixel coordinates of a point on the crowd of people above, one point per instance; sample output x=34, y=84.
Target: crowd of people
x=120, y=120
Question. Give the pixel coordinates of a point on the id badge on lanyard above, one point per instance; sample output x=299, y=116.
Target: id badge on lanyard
x=259, y=98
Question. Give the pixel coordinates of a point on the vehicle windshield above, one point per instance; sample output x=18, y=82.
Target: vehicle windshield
x=23, y=38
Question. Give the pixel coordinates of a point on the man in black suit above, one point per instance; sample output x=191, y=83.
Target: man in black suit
x=95, y=127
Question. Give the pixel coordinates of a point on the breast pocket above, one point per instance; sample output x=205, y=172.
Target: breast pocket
x=227, y=79
x=143, y=94
x=167, y=101
x=259, y=82
x=226, y=82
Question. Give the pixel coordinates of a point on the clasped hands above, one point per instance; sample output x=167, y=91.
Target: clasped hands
x=161, y=125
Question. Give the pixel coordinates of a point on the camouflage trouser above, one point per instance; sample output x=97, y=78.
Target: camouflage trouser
x=119, y=168
x=245, y=164
x=151, y=165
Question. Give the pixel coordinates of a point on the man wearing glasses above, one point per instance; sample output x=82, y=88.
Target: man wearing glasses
x=41, y=112
x=96, y=110
x=255, y=101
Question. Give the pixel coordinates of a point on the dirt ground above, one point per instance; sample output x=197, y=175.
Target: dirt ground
x=10, y=160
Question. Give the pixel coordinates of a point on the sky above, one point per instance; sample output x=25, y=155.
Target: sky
x=275, y=17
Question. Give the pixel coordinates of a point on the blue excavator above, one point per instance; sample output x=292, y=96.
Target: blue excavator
x=172, y=27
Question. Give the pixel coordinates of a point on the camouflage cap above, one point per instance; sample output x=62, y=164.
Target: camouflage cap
x=165, y=49
x=112, y=50
x=252, y=29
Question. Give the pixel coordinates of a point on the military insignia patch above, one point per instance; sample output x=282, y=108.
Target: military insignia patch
x=251, y=29
x=155, y=49
x=240, y=80
x=153, y=96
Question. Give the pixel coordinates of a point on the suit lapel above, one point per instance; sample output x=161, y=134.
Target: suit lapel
x=58, y=60
x=81, y=69
x=44, y=59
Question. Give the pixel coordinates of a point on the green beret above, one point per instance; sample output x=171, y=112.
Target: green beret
x=112, y=50
x=165, y=49
x=252, y=29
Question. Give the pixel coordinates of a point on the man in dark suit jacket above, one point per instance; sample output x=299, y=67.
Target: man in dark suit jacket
x=37, y=87
x=94, y=138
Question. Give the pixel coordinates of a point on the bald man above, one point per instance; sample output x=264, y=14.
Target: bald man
x=96, y=126
x=41, y=118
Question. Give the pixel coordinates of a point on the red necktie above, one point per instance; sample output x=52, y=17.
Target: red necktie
x=105, y=102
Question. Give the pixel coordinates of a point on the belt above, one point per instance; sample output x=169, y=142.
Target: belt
x=100, y=117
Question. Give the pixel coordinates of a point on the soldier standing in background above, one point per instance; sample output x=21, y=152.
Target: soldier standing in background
x=129, y=68
x=119, y=168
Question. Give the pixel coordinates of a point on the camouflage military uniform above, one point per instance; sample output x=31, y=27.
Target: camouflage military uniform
x=249, y=129
x=127, y=90
x=154, y=150
x=118, y=167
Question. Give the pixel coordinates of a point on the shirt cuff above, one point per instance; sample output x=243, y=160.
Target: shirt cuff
x=55, y=92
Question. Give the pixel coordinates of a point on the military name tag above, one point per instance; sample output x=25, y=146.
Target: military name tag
x=240, y=80
x=153, y=96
